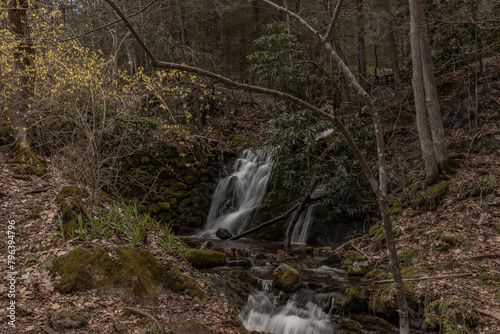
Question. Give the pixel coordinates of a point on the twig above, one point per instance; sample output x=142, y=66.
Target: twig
x=145, y=314
x=37, y=191
x=424, y=278
x=489, y=313
x=484, y=255
x=346, y=243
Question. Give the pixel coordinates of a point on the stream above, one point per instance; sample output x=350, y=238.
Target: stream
x=260, y=306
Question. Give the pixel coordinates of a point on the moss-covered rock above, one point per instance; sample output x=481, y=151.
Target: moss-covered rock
x=286, y=278
x=356, y=264
x=204, y=258
x=447, y=316
x=135, y=273
x=350, y=327
x=69, y=207
x=432, y=198
x=383, y=300
x=372, y=323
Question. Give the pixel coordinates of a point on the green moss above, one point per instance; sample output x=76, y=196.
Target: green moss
x=191, y=180
x=383, y=299
x=396, y=208
x=413, y=271
x=371, y=321
x=350, y=327
x=447, y=316
x=134, y=273
x=204, y=258
x=378, y=274
x=35, y=211
x=304, y=250
x=436, y=193
x=286, y=278
x=397, y=231
x=354, y=302
x=379, y=242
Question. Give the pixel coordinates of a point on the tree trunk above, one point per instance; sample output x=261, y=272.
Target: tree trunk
x=361, y=44
x=431, y=94
x=130, y=47
x=182, y=35
x=425, y=96
x=391, y=43
x=18, y=20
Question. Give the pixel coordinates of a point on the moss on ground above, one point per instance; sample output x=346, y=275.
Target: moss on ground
x=204, y=258
x=135, y=273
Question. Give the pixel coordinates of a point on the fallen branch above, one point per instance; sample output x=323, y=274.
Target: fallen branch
x=494, y=315
x=37, y=191
x=145, y=314
x=483, y=255
x=424, y=278
x=269, y=222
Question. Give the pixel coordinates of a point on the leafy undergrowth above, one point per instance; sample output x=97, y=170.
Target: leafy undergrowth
x=39, y=241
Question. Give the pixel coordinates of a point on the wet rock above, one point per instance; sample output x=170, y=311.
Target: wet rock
x=222, y=233
x=246, y=263
x=192, y=242
x=204, y=258
x=286, y=278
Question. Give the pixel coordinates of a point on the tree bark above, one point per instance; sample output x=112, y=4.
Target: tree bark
x=429, y=122
x=18, y=21
x=361, y=44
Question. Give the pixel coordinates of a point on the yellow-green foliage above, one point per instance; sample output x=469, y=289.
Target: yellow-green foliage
x=204, y=258
x=134, y=273
x=451, y=317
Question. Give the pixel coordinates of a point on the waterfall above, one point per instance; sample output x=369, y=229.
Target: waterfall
x=237, y=195
x=303, y=313
x=301, y=230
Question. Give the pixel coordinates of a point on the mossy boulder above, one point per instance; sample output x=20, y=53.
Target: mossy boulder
x=200, y=259
x=286, y=278
x=347, y=300
x=350, y=327
x=372, y=323
x=432, y=198
x=383, y=300
x=68, y=319
x=134, y=273
x=447, y=316
x=356, y=264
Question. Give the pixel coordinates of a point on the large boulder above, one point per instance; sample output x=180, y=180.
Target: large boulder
x=286, y=278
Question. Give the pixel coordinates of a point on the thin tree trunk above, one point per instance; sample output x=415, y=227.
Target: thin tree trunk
x=182, y=35
x=418, y=82
x=391, y=43
x=431, y=94
x=361, y=44
x=18, y=20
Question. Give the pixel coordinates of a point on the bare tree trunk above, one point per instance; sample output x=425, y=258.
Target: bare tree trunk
x=391, y=43
x=361, y=44
x=423, y=93
x=130, y=47
x=431, y=94
x=18, y=20
x=182, y=35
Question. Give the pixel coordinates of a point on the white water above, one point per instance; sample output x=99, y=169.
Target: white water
x=301, y=230
x=300, y=315
x=237, y=195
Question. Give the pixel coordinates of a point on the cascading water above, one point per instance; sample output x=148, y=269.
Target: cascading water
x=237, y=195
x=301, y=230
x=303, y=313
